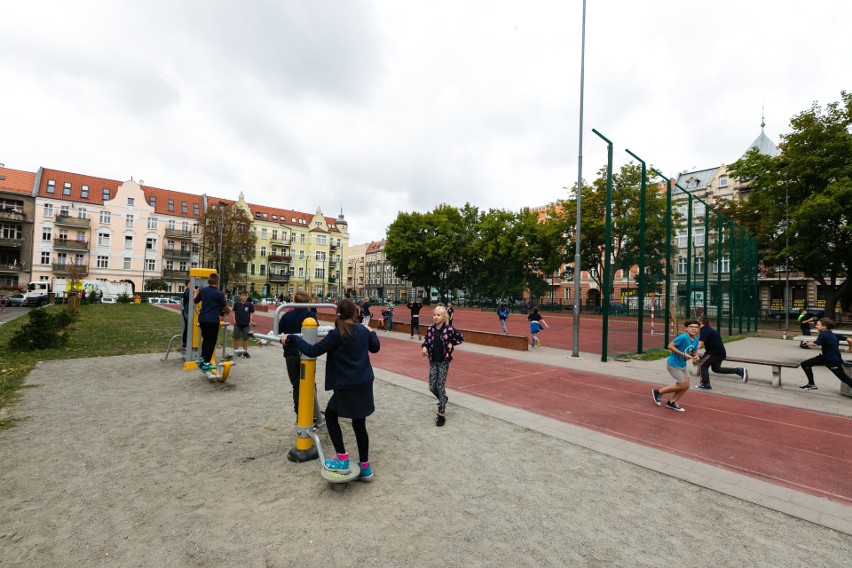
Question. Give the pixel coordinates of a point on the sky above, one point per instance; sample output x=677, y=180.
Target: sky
x=376, y=107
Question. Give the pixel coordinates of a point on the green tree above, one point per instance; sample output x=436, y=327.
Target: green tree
x=156, y=284
x=625, y=225
x=425, y=248
x=230, y=225
x=803, y=197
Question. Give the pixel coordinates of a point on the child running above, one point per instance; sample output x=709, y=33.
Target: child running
x=683, y=347
x=441, y=339
x=536, y=325
x=243, y=312
x=349, y=374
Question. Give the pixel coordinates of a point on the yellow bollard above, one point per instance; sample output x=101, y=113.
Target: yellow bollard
x=305, y=450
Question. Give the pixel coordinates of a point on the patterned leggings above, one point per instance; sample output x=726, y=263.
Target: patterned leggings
x=438, y=381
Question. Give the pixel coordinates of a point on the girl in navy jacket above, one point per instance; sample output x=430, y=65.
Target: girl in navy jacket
x=349, y=374
x=438, y=346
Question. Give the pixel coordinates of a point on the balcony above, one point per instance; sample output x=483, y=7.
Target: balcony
x=177, y=254
x=175, y=274
x=12, y=215
x=178, y=234
x=11, y=243
x=332, y=280
x=279, y=258
x=279, y=278
x=69, y=221
x=11, y=267
x=70, y=244
x=66, y=268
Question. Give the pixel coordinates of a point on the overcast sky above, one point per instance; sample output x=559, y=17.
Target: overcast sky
x=392, y=105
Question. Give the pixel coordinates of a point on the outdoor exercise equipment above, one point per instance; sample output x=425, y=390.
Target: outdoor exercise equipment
x=308, y=445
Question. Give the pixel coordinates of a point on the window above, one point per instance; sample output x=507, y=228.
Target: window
x=131, y=202
x=263, y=234
x=301, y=255
x=152, y=201
x=128, y=263
x=128, y=242
x=263, y=270
x=170, y=265
x=319, y=273
x=45, y=258
x=46, y=234
x=81, y=236
x=106, y=194
x=151, y=264
x=321, y=239
x=171, y=205
x=301, y=271
x=103, y=239
x=252, y=270
x=171, y=225
x=723, y=180
x=318, y=223
x=10, y=231
x=699, y=265
x=185, y=227
x=48, y=209
x=103, y=262
x=681, y=238
x=698, y=236
x=62, y=258
x=699, y=209
x=105, y=217
x=184, y=208
x=64, y=210
x=274, y=234
x=681, y=265
x=129, y=220
x=152, y=223
x=320, y=256
x=81, y=213
x=726, y=265
x=262, y=251
x=84, y=192
x=195, y=210
x=302, y=239
x=151, y=243
x=51, y=186
x=66, y=188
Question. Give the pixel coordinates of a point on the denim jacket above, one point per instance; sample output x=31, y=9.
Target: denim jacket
x=447, y=334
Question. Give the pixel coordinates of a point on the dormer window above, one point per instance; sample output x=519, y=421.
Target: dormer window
x=723, y=180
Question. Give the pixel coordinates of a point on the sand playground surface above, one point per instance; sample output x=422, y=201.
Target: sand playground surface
x=131, y=461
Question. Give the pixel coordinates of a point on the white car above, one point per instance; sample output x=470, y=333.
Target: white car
x=163, y=301
x=109, y=300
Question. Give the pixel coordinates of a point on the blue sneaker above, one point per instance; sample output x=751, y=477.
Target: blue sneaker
x=338, y=465
x=208, y=367
x=366, y=472
x=200, y=362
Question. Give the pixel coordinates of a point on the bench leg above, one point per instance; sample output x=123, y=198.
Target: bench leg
x=776, y=376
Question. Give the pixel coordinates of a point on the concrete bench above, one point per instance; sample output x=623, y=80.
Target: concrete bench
x=776, y=366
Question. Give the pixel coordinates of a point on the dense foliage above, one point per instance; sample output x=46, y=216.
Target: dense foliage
x=800, y=205
x=230, y=225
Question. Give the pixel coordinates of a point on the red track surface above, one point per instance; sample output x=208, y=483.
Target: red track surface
x=802, y=450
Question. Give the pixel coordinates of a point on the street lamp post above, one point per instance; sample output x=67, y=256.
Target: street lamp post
x=575, y=347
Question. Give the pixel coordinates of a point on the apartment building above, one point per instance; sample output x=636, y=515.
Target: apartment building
x=17, y=210
x=102, y=229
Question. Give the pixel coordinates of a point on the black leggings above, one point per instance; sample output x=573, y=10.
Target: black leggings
x=359, y=425
x=819, y=361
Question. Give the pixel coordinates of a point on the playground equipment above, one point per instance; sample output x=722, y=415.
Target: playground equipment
x=309, y=417
x=192, y=353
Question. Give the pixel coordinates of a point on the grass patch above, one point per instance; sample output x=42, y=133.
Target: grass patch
x=103, y=330
x=662, y=353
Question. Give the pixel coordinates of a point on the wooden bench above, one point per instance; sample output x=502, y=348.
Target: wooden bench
x=776, y=366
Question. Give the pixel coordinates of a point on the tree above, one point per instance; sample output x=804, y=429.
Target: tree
x=230, y=225
x=625, y=225
x=156, y=284
x=803, y=197
x=425, y=247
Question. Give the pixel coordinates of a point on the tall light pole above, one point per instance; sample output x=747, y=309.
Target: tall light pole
x=575, y=351
x=787, y=262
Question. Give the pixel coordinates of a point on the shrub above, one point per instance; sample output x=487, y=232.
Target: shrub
x=124, y=298
x=45, y=330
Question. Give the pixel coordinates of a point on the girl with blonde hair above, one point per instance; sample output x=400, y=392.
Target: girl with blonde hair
x=438, y=346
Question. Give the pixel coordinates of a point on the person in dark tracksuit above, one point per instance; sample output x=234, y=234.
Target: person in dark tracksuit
x=714, y=354
x=830, y=356
x=214, y=307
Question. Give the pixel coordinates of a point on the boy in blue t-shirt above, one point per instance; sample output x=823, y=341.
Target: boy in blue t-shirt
x=683, y=347
x=535, y=327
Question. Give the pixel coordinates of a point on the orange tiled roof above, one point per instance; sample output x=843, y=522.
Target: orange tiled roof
x=17, y=181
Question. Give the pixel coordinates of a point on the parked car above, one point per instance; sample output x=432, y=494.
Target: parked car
x=16, y=300
x=614, y=309
x=163, y=301
x=109, y=300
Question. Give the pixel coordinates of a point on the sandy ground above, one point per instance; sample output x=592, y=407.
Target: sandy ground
x=130, y=461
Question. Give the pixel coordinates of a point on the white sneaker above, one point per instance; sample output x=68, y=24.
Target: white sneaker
x=745, y=375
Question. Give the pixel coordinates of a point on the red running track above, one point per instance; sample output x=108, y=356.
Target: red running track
x=803, y=450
